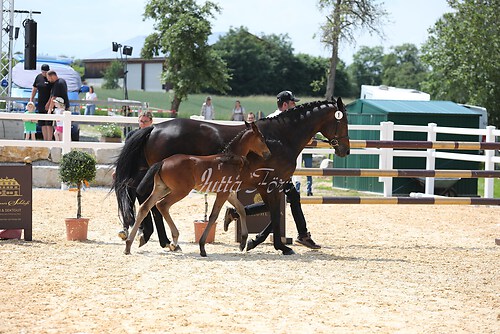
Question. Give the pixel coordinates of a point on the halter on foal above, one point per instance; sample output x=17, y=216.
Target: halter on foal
x=224, y=173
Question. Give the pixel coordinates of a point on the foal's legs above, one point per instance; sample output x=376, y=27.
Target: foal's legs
x=240, y=208
x=218, y=203
x=158, y=192
x=164, y=207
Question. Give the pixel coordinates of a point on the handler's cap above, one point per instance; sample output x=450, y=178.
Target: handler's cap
x=45, y=67
x=286, y=96
x=59, y=100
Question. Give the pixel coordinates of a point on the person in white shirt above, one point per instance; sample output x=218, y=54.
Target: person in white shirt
x=90, y=96
x=207, y=109
x=286, y=100
x=238, y=112
x=58, y=110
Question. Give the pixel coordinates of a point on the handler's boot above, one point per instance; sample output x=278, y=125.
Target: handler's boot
x=229, y=216
x=307, y=241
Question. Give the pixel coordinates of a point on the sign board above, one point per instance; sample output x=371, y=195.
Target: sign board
x=257, y=223
x=16, y=198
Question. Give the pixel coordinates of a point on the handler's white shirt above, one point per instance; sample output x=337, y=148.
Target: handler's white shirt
x=275, y=113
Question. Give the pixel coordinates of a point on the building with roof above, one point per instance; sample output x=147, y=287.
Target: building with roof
x=405, y=112
x=142, y=74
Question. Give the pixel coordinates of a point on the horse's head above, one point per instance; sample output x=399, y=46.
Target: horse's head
x=256, y=141
x=336, y=130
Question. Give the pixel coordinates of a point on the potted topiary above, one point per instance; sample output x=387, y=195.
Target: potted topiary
x=76, y=169
x=110, y=133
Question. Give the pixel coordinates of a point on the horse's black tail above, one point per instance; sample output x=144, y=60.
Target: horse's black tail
x=147, y=182
x=127, y=167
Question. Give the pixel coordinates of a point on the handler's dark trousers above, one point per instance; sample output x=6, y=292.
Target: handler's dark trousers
x=292, y=197
x=147, y=222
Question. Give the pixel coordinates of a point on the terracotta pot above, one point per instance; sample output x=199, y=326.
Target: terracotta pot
x=199, y=227
x=76, y=228
x=11, y=234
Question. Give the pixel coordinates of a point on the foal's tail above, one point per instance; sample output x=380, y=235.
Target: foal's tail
x=147, y=182
x=127, y=167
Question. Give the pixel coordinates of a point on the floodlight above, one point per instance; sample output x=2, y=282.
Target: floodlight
x=127, y=50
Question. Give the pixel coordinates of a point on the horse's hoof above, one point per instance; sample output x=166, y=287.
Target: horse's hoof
x=288, y=252
x=242, y=247
x=251, y=244
x=174, y=248
x=142, y=241
x=127, y=252
x=203, y=254
x=123, y=234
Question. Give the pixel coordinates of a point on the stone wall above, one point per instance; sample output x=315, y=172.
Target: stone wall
x=46, y=164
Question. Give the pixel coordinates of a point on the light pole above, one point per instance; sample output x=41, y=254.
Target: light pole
x=127, y=51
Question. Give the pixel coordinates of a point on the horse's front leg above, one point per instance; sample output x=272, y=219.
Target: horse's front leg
x=240, y=208
x=142, y=212
x=218, y=203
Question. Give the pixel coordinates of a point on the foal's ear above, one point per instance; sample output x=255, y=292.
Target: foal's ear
x=254, y=127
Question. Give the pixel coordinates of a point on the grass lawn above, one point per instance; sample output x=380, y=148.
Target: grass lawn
x=496, y=188
x=223, y=104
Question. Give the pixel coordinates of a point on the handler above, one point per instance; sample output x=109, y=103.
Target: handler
x=286, y=100
x=145, y=119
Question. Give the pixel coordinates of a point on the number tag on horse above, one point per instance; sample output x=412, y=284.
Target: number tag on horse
x=339, y=115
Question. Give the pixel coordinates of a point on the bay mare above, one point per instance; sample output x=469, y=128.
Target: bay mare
x=224, y=174
x=286, y=135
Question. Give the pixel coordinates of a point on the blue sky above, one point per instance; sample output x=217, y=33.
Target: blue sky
x=81, y=28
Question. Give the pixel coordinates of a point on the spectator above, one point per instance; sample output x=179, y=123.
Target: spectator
x=90, y=96
x=251, y=117
x=238, y=112
x=58, y=110
x=207, y=109
x=307, y=159
x=30, y=125
x=42, y=86
x=127, y=113
x=59, y=88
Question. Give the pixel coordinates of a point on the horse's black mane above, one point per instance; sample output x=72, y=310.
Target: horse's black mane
x=304, y=110
x=226, y=150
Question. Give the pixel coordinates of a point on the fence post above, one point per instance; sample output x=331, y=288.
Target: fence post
x=386, y=156
x=488, y=163
x=430, y=160
x=66, y=138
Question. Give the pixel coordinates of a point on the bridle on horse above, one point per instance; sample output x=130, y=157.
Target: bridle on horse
x=334, y=142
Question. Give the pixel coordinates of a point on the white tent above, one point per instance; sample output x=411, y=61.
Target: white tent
x=25, y=78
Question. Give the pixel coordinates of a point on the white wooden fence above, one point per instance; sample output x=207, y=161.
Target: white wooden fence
x=386, y=155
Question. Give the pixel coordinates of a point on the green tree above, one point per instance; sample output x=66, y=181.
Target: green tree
x=112, y=74
x=78, y=66
x=345, y=18
x=366, y=68
x=463, y=52
x=182, y=28
x=248, y=61
x=403, y=67
x=266, y=64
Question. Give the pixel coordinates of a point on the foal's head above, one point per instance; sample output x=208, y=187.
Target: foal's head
x=250, y=139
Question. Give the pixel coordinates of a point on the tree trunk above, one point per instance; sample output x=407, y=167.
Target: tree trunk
x=330, y=84
x=176, y=102
x=79, y=202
